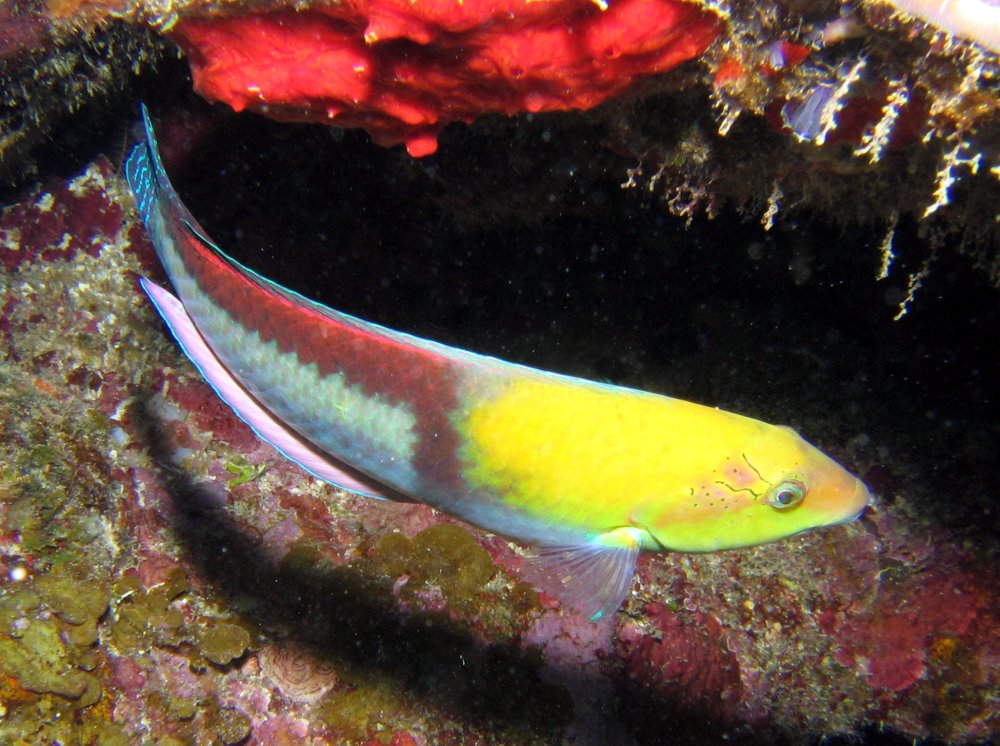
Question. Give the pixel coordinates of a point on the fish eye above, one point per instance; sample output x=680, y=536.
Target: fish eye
x=786, y=495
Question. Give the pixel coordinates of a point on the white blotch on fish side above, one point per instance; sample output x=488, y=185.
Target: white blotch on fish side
x=372, y=434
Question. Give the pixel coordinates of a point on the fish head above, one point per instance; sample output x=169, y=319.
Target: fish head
x=772, y=486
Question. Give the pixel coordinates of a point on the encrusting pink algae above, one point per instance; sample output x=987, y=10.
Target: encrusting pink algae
x=165, y=578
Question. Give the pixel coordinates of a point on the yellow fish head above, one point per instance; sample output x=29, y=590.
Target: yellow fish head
x=774, y=485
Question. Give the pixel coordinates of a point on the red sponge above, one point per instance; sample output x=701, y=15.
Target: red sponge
x=403, y=69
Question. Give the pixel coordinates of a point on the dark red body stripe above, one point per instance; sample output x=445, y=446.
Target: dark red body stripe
x=426, y=382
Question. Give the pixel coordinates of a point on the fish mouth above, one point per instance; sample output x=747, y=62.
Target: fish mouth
x=861, y=498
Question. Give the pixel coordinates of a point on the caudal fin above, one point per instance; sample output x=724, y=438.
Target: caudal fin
x=144, y=171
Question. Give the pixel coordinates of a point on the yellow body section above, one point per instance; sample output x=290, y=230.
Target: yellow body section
x=692, y=478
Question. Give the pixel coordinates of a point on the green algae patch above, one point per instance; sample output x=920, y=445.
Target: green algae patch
x=74, y=599
x=243, y=472
x=40, y=662
x=224, y=643
x=169, y=740
x=231, y=726
x=49, y=656
x=145, y=617
x=23, y=727
x=355, y=713
x=304, y=559
x=452, y=556
x=443, y=555
x=22, y=516
x=15, y=607
x=84, y=634
x=180, y=708
x=524, y=597
x=91, y=692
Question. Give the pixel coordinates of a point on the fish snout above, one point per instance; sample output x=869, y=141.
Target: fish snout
x=860, y=501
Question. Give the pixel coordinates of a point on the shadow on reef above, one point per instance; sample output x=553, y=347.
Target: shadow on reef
x=344, y=617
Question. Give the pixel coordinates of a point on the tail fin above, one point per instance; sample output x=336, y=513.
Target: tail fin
x=144, y=170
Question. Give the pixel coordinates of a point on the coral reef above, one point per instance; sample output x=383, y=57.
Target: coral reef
x=164, y=576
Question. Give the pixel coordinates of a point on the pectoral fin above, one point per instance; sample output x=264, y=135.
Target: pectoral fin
x=268, y=427
x=593, y=577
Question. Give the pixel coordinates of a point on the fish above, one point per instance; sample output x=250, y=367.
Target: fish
x=588, y=474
